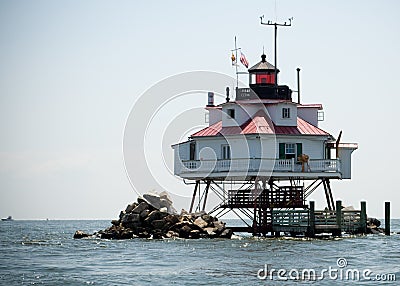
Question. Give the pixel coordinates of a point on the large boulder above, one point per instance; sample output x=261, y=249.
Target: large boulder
x=171, y=234
x=144, y=214
x=177, y=226
x=130, y=207
x=158, y=223
x=209, y=219
x=184, y=231
x=141, y=207
x=373, y=222
x=80, y=234
x=153, y=199
x=211, y=231
x=154, y=215
x=125, y=234
x=160, y=201
x=171, y=219
x=227, y=233
x=115, y=222
x=130, y=220
x=219, y=226
x=144, y=234
x=195, y=234
x=157, y=234
x=200, y=222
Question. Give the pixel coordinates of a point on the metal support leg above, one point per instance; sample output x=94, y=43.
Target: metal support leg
x=328, y=185
x=206, y=194
x=328, y=201
x=194, y=196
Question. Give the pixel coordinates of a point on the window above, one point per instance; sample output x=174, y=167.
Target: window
x=207, y=117
x=231, y=113
x=290, y=150
x=265, y=78
x=285, y=112
x=226, y=152
x=321, y=115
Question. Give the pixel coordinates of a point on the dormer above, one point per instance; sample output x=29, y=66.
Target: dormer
x=214, y=114
x=283, y=113
x=312, y=113
x=233, y=115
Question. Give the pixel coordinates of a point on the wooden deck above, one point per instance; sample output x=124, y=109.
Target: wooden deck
x=311, y=223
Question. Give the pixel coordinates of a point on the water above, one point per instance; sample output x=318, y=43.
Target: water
x=44, y=253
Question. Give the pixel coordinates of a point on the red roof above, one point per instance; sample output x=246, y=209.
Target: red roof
x=259, y=124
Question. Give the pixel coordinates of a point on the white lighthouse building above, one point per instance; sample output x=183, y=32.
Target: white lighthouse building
x=267, y=148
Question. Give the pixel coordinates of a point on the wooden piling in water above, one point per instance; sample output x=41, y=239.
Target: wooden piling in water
x=311, y=229
x=387, y=218
x=363, y=218
x=339, y=217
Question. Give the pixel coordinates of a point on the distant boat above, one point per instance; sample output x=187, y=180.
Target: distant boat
x=9, y=218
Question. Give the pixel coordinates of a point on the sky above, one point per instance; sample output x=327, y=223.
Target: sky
x=72, y=71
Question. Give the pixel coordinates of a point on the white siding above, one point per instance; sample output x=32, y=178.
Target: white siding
x=309, y=114
x=345, y=159
x=251, y=109
x=240, y=147
x=313, y=147
x=275, y=111
x=182, y=150
x=207, y=146
x=215, y=115
x=212, y=148
x=181, y=153
x=242, y=113
x=256, y=147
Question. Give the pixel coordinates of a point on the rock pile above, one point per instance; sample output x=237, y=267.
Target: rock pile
x=151, y=219
x=373, y=226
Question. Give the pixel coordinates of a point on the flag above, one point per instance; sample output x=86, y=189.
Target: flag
x=243, y=60
x=233, y=58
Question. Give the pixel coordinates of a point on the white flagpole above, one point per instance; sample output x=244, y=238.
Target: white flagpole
x=237, y=75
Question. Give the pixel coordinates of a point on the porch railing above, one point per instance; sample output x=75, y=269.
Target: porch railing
x=260, y=165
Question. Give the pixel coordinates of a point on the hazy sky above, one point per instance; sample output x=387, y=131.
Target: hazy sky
x=70, y=72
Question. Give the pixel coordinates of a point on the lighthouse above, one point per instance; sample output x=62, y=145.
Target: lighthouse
x=262, y=155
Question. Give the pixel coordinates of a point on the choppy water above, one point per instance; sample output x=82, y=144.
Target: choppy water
x=44, y=253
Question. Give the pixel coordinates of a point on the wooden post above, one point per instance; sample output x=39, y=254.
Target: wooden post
x=311, y=230
x=363, y=218
x=387, y=218
x=255, y=224
x=339, y=217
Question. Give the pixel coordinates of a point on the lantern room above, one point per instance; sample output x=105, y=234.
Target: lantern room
x=262, y=73
x=263, y=82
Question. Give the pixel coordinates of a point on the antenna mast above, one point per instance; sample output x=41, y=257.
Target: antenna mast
x=275, y=24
